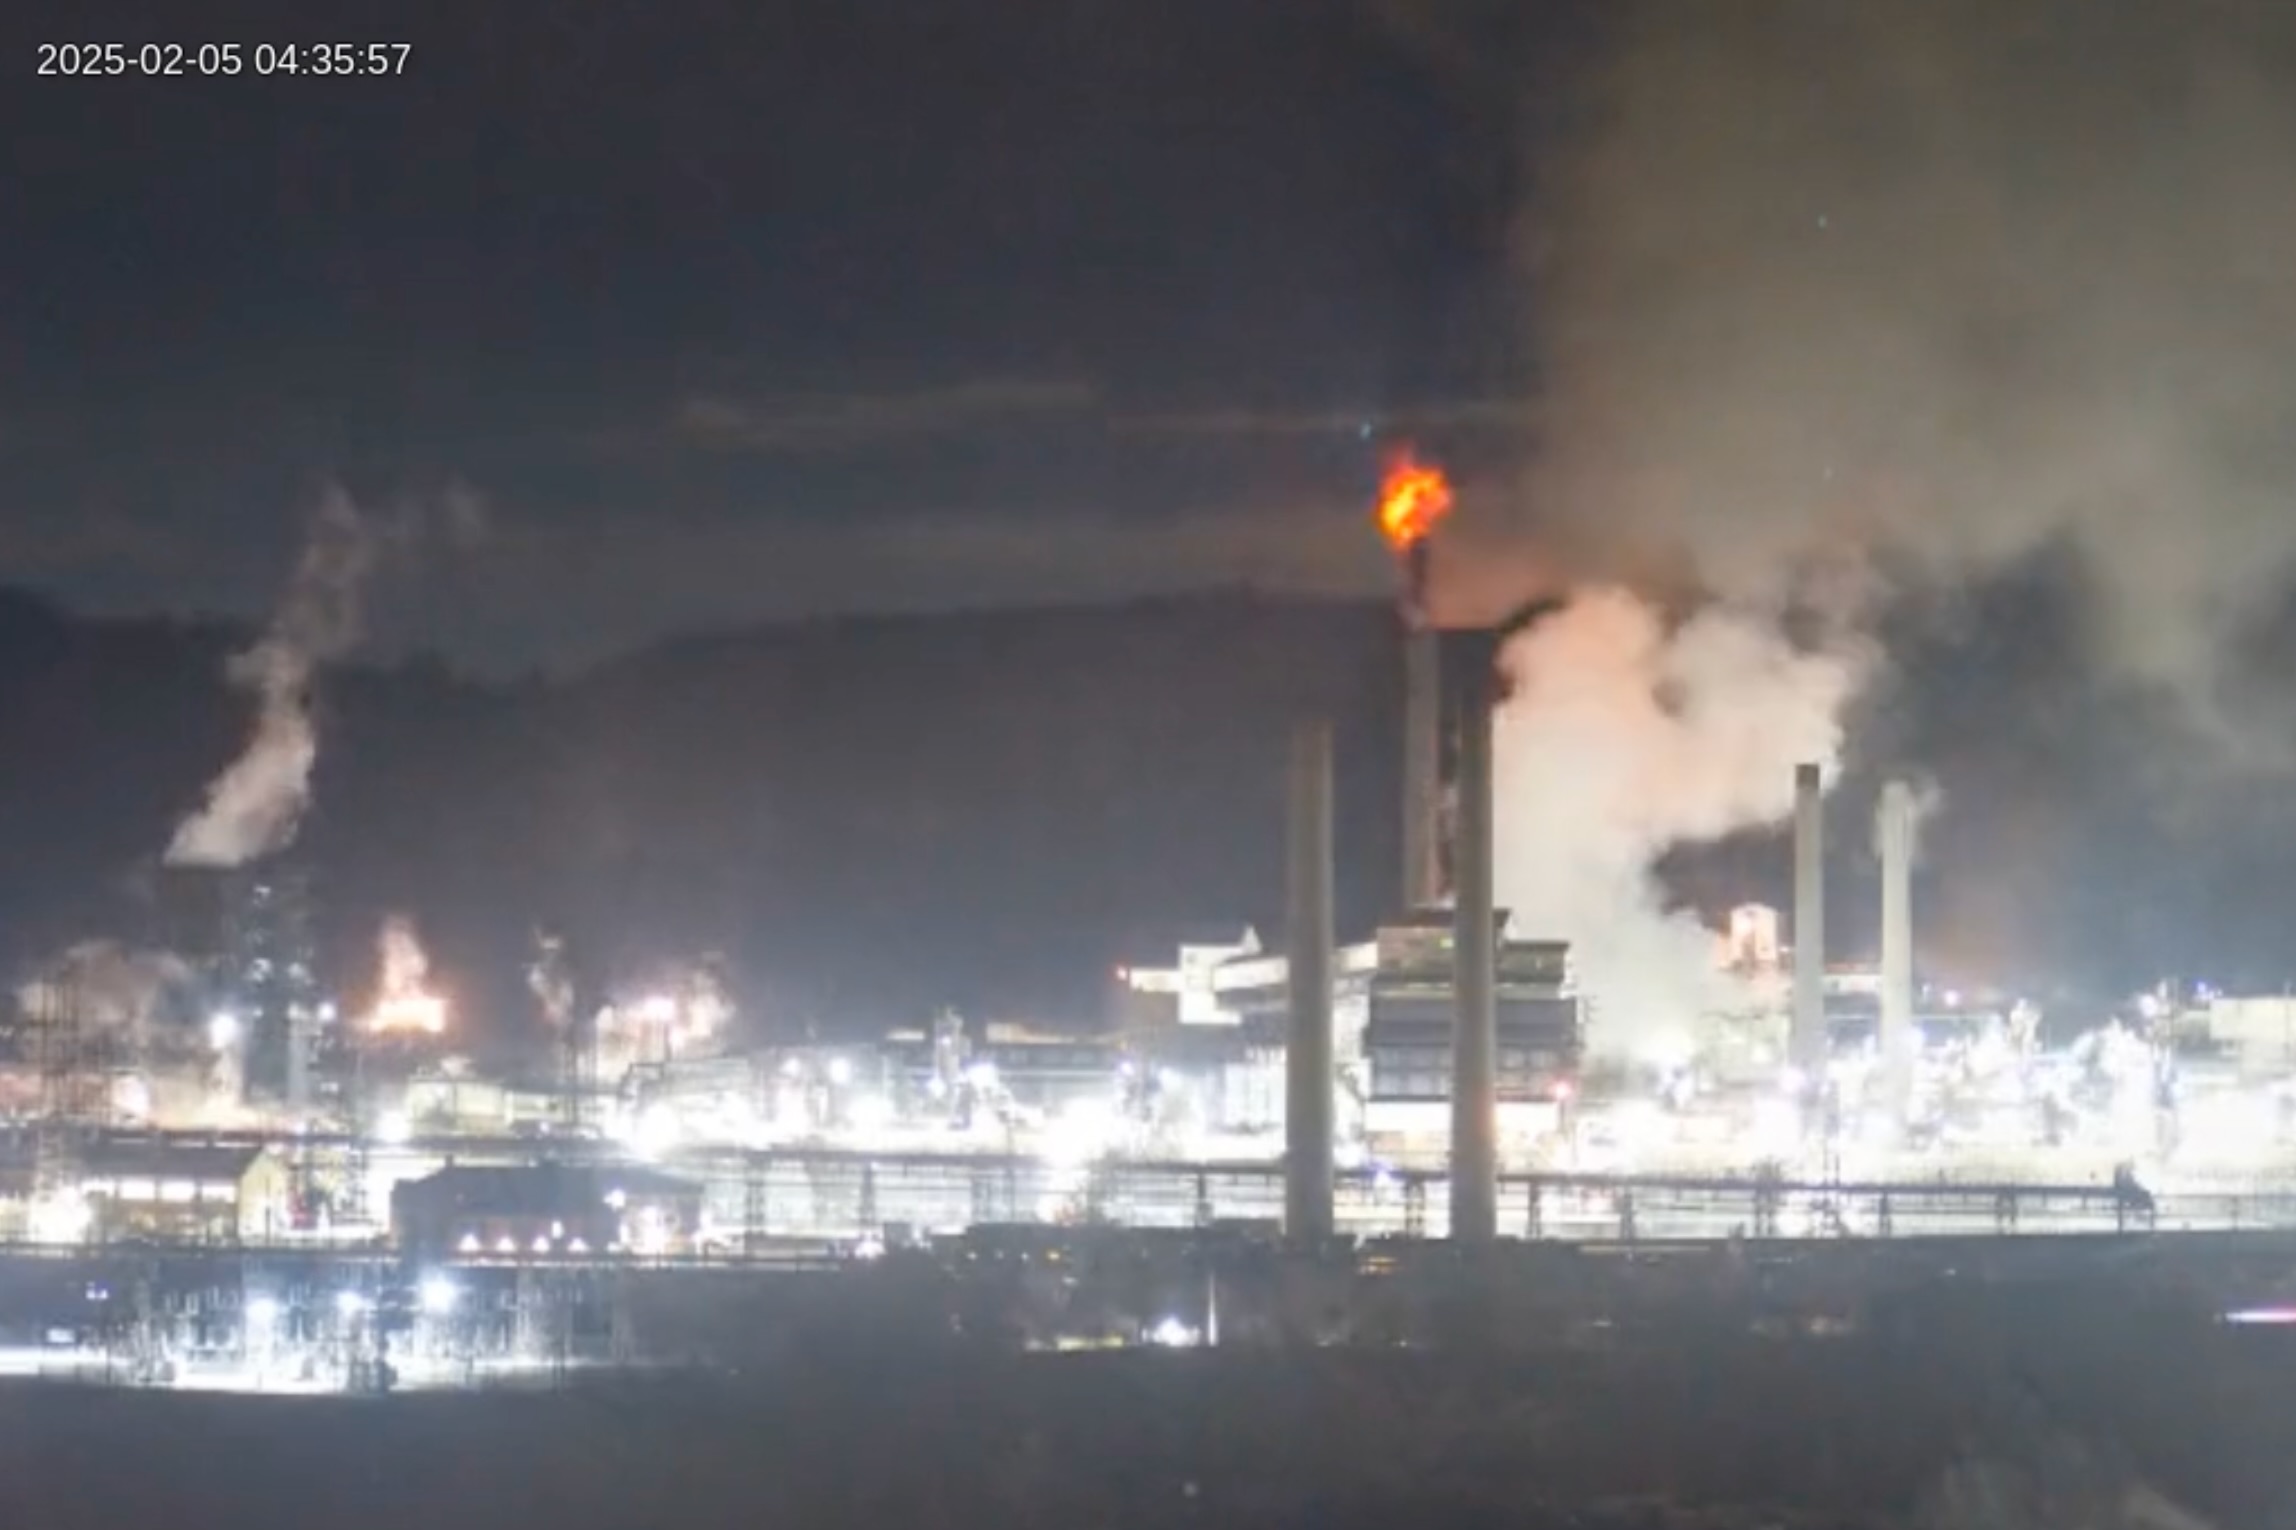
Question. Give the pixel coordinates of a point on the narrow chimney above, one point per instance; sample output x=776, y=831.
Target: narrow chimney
x=1422, y=768
x=298, y=1061
x=1894, y=832
x=1308, y=1065
x=1807, y=1045
x=1474, y=940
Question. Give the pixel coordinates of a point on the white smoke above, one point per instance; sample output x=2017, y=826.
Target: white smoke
x=135, y=1019
x=404, y=1003
x=254, y=807
x=136, y=998
x=1990, y=278
x=1624, y=737
x=1923, y=285
x=405, y=964
x=550, y=978
x=1924, y=800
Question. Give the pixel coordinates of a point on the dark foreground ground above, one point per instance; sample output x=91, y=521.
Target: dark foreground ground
x=2018, y=1421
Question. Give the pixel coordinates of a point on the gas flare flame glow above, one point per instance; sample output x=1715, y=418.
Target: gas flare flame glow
x=1413, y=499
x=404, y=1003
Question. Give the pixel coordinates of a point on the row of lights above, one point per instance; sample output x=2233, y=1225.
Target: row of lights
x=436, y=1295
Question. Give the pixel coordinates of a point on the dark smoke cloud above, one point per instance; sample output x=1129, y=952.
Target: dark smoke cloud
x=1935, y=283
x=1840, y=303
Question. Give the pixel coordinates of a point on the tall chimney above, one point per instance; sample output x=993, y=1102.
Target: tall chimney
x=1422, y=749
x=298, y=1061
x=1893, y=830
x=1308, y=1066
x=1807, y=1043
x=1474, y=942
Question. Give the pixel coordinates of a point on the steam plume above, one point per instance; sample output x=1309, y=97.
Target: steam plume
x=550, y=977
x=135, y=997
x=1908, y=286
x=1925, y=798
x=1625, y=737
x=404, y=1003
x=1945, y=281
x=254, y=807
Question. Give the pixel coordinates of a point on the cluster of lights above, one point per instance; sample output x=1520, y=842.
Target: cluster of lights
x=408, y=1014
x=681, y=1024
x=436, y=1296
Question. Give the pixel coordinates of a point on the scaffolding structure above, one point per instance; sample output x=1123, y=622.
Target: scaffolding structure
x=268, y=976
x=75, y=1091
x=578, y=1069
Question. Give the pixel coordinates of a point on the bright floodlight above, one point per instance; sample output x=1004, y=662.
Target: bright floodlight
x=350, y=1303
x=841, y=1071
x=1173, y=1334
x=870, y=1113
x=262, y=1311
x=393, y=1129
x=439, y=1295
x=223, y=1030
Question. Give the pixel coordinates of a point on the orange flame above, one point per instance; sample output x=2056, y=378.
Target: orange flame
x=408, y=1014
x=404, y=1003
x=1412, y=501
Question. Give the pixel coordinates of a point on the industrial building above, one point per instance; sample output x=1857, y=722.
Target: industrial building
x=1444, y=1050
x=1214, y=1022
x=248, y=934
x=185, y=1192
x=546, y=1209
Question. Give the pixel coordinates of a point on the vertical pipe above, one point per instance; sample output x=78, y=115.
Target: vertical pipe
x=1474, y=939
x=1894, y=831
x=1807, y=1045
x=298, y=1059
x=1422, y=727
x=1308, y=1062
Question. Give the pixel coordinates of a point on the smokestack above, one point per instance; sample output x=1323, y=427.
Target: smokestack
x=1807, y=1043
x=298, y=1062
x=1894, y=832
x=1422, y=768
x=1308, y=1057
x=1474, y=943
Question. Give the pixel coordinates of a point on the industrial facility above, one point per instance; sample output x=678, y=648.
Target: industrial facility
x=1443, y=1073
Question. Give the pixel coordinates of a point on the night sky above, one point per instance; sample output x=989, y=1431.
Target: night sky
x=683, y=316
x=655, y=319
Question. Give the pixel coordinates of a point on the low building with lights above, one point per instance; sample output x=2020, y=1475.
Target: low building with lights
x=1223, y=1031
x=1038, y=1070
x=183, y=1192
x=541, y=1210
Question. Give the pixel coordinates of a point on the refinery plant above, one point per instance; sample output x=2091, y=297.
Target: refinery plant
x=1443, y=1074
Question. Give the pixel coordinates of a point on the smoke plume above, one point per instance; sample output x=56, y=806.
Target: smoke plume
x=1911, y=288
x=1943, y=281
x=136, y=998
x=550, y=977
x=1626, y=736
x=254, y=806
x=404, y=1004
x=1925, y=799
